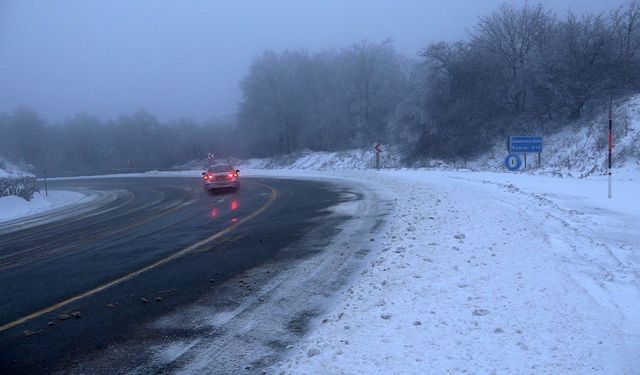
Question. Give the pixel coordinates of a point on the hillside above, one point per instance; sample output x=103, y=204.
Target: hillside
x=578, y=150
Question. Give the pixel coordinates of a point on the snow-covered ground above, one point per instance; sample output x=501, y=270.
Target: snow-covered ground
x=484, y=272
x=13, y=207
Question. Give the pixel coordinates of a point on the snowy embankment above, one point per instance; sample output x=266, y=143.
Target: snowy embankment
x=324, y=160
x=579, y=150
x=13, y=207
x=488, y=273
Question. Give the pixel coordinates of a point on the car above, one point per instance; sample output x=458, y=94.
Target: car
x=220, y=177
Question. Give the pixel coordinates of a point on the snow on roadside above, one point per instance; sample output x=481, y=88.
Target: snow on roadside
x=325, y=160
x=488, y=273
x=12, y=207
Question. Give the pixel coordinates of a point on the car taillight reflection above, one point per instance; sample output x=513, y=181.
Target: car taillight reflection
x=234, y=204
x=214, y=212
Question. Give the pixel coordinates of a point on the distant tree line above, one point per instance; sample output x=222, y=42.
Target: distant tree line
x=86, y=144
x=522, y=69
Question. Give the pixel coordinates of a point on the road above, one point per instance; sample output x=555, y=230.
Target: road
x=117, y=284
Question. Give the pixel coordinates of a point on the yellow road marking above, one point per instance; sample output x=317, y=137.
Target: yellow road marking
x=129, y=276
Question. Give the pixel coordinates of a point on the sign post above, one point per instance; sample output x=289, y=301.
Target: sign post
x=210, y=157
x=46, y=191
x=378, y=151
x=526, y=144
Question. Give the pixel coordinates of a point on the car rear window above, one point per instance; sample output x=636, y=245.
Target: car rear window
x=220, y=168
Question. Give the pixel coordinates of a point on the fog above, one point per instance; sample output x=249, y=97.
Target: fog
x=186, y=59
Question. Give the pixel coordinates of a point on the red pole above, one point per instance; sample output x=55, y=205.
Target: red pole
x=610, y=148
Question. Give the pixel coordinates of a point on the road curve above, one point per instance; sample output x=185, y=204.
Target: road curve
x=76, y=285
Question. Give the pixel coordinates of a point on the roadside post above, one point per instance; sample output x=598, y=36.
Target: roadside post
x=378, y=151
x=46, y=191
x=610, y=149
x=524, y=144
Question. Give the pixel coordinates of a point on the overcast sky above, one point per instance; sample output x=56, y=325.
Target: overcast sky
x=186, y=58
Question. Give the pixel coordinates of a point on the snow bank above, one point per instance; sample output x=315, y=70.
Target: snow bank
x=485, y=272
x=13, y=207
x=337, y=160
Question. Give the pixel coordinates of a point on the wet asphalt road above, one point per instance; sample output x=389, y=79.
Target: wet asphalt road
x=148, y=247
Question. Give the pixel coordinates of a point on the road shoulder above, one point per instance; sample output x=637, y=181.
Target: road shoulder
x=477, y=274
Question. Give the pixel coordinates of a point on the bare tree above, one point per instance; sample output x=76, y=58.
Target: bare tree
x=515, y=34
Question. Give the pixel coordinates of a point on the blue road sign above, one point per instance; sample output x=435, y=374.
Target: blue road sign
x=513, y=162
x=524, y=144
